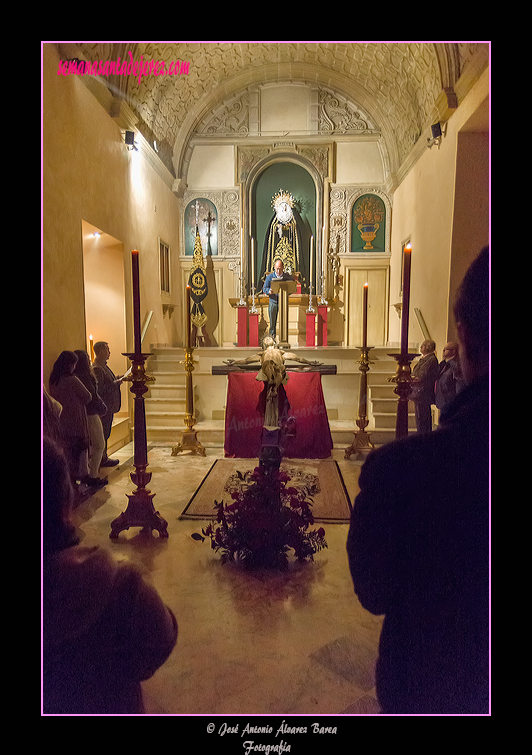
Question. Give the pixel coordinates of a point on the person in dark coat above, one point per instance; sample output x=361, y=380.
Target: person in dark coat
x=418, y=542
x=109, y=390
x=449, y=380
x=424, y=375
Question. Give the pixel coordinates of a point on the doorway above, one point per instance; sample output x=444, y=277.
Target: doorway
x=105, y=311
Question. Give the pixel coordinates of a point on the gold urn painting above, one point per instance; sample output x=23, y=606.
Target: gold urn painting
x=368, y=216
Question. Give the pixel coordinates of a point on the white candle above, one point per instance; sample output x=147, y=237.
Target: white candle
x=323, y=257
x=311, y=258
x=252, y=263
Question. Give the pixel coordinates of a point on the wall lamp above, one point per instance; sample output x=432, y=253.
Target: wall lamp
x=130, y=141
x=438, y=132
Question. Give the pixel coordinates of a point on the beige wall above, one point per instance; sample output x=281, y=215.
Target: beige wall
x=88, y=174
x=443, y=207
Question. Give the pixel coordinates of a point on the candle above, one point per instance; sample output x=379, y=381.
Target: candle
x=252, y=263
x=187, y=319
x=365, y=317
x=241, y=251
x=407, y=259
x=136, y=299
x=91, y=346
x=311, y=259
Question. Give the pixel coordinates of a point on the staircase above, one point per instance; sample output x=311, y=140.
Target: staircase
x=165, y=400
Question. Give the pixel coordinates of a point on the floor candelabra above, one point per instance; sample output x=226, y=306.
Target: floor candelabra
x=402, y=380
x=362, y=445
x=189, y=440
x=140, y=511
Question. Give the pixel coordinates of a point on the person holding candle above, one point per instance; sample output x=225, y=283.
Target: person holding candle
x=109, y=391
x=273, y=305
x=418, y=542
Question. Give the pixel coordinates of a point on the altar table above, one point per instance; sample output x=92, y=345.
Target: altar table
x=243, y=420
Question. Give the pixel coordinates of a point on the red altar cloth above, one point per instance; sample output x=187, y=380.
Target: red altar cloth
x=243, y=421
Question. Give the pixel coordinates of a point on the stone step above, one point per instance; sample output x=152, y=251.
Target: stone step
x=211, y=433
x=164, y=405
x=162, y=419
x=378, y=389
x=387, y=420
x=388, y=405
x=163, y=378
x=165, y=401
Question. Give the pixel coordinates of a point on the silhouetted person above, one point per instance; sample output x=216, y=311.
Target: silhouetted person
x=418, y=542
x=104, y=628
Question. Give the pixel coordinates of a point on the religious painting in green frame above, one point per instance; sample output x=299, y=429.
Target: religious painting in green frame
x=368, y=224
x=204, y=212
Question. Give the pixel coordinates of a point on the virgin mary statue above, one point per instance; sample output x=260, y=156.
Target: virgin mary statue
x=283, y=238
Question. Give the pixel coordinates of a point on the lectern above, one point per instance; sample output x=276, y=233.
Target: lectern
x=283, y=289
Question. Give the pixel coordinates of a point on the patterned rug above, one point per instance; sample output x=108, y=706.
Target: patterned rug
x=330, y=500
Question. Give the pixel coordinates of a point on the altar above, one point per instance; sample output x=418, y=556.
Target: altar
x=244, y=418
x=297, y=322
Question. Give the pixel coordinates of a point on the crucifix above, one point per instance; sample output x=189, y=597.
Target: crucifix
x=209, y=219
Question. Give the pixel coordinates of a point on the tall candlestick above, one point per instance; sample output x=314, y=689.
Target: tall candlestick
x=252, y=263
x=91, y=346
x=407, y=259
x=365, y=317
x=241, y=251
x=136, y=299
x=311, y=258
x=187, y=319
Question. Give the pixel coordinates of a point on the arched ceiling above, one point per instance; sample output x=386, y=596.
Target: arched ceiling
x=399, y=85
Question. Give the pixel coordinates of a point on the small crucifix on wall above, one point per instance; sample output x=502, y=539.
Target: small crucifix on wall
x=209, y=220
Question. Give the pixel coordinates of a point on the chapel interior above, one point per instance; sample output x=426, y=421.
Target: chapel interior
x=147, y=163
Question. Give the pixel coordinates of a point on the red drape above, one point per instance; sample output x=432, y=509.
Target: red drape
x=243, y=421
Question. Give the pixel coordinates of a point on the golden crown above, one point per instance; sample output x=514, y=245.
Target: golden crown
x=283, y=196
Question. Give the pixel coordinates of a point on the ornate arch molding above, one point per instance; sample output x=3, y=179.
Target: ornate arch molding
x=315, y=159
x=448, y=58
x=348, y=91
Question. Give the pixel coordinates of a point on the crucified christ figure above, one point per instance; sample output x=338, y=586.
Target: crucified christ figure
x=273, y=373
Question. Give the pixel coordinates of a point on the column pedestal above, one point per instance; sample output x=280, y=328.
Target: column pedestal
x=253, y=329
x=242, y=326
x=322, y=325
x=311, y=329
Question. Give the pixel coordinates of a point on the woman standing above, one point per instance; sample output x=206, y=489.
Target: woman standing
x=73, y=397
x=95, y=409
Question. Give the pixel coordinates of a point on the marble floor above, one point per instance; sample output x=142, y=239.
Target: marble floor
x=283, y=643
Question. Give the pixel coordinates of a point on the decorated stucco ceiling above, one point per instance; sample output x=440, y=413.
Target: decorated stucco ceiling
x=398, y=86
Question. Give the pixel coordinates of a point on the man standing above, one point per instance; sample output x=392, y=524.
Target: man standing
x=418, y=542
x=273, y=306
x=109, y=390
x=425, y=372
x=449, y=381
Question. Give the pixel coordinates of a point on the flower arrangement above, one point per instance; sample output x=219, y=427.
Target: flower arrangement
x=266, y=519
